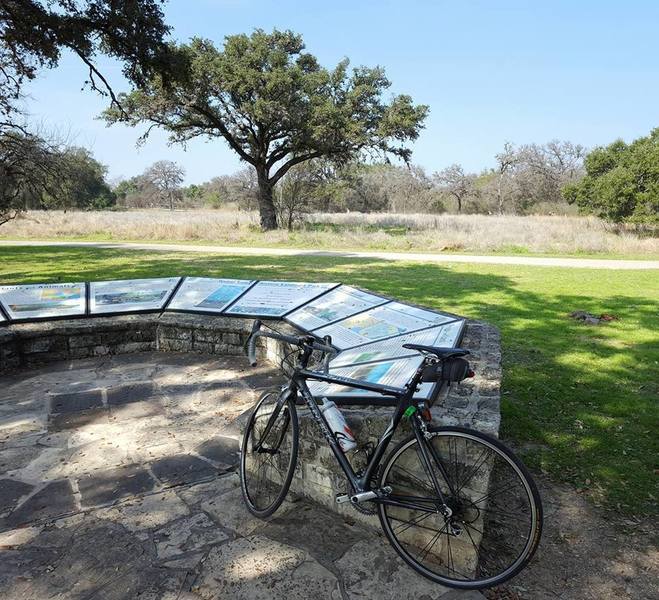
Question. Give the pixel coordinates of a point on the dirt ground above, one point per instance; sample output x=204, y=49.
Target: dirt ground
x=587, y=554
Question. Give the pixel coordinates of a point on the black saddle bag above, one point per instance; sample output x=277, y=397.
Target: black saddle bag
x=451, y=370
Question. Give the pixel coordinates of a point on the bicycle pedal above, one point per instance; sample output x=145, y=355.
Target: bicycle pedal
x=342, y=498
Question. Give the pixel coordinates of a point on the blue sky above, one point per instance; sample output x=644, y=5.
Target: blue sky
x=491, y=71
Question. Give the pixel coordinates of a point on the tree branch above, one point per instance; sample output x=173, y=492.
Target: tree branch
x=226, y=134
x=291, y=163
x=93, y=71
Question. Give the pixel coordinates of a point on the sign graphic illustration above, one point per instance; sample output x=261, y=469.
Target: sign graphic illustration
x=204, y=294
x=276, y=298
x=43, y=301
x=130, y=295
x=334, y=306
x=385, y=321
x=394, y=373
x=442, y=336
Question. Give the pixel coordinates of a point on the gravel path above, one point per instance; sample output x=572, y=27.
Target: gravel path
x=535, y=261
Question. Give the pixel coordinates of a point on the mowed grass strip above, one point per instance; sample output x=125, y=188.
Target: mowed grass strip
x=579, y=401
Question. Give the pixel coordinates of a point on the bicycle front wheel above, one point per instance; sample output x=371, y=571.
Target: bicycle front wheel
x=494, y=521
x=268, y=454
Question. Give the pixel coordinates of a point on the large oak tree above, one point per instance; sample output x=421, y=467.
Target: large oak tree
x=274, y=105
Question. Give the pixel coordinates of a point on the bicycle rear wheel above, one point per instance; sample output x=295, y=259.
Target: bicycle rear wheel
x=269, y=453
x=494, y=523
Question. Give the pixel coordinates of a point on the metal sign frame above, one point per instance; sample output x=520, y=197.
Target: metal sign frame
x=458, y=339
x=6, y=320
x=209, y=313
x=290, y=322
x=344, y=400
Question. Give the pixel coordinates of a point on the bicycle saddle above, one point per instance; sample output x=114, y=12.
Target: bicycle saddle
x=438, y=352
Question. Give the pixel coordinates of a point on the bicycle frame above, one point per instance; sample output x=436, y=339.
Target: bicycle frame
x=405, y=397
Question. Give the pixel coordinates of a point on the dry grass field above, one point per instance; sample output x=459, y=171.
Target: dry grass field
x=562, y=235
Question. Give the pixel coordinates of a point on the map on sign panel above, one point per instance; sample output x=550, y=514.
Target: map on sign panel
x=207, y=294
x=130, y=295
x=395, y=373
x=43, y=300
x=441, y=336
x=381, y=322
x=334, y=306
x=276, y=298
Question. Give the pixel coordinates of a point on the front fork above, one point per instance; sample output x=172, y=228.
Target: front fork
x=283, y=396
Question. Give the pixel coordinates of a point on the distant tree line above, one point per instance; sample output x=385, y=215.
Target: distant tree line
x=619, y=183
x=527, y=179
x=37, y=172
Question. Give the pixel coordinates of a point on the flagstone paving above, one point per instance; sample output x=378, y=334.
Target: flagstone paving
x=118, y=481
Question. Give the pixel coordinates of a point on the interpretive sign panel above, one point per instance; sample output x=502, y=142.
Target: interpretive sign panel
x=130, y=295
x=380, y=322
x=43, y=301
x=441, y=336
x=205, y=294
x=334, y=306
x=395, y=373
x=276, y=298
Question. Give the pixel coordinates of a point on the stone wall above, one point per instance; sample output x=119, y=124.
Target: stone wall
x=28, y=345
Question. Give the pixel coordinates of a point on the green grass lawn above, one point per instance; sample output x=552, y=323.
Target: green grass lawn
x=579, y=402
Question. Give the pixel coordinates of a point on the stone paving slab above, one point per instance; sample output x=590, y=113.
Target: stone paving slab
x=72, y=402
x=133, y=392
x=53, y=499
x=139, y=498
x=105, y=487
x=175, y=470
x=221, y=449
x=76, y=419
x=11, y=492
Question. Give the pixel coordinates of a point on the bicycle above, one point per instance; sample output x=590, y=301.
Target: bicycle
x=457, y=505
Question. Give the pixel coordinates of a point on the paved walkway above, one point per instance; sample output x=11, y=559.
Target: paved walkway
x=589, y=263
x=118, y=481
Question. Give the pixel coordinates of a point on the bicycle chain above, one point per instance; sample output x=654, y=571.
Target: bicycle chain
x=363, y=508
x=367, y=508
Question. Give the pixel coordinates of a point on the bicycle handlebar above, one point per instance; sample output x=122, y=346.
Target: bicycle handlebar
x=300, y=341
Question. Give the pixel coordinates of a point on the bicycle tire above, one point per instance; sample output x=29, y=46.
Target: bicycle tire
x=292, y=428
x=469, y=506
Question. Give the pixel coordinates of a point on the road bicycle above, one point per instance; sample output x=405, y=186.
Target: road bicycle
x=457, y=505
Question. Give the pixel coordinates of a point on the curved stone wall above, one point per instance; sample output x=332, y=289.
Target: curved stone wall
x=475, y=402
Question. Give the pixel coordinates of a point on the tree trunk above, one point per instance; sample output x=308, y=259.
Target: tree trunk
x=266, y=204
x=500, y=194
